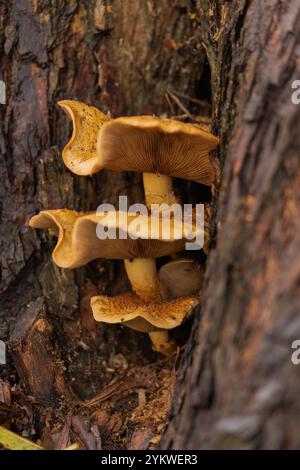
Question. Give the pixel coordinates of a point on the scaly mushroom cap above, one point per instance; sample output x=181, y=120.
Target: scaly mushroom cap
x=152, y=145
x=79, y=154
x=131, y=311
x=79, y=244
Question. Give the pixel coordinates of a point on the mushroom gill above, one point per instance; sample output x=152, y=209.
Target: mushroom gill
x=158, y=148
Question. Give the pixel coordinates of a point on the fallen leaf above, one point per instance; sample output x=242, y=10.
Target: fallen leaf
x=12, y=441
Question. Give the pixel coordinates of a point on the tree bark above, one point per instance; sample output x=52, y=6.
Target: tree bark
x=34, y=355
x=237, y=387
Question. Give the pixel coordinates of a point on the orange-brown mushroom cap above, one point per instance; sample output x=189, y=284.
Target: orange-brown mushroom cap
x=131, y=311
x=79, y=244
x=144, y=144
x=79, y=155
x=152, y=145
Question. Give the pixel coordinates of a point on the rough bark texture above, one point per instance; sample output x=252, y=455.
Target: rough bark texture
x=34, y=355
x=237, y=386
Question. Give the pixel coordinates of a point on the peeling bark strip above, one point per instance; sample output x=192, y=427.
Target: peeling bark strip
x=237, y=386
x=31, y=346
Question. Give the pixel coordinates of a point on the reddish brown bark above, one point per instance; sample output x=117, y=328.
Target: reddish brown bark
x=33, y=353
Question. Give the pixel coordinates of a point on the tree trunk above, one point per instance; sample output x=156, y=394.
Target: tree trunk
x=235, y=385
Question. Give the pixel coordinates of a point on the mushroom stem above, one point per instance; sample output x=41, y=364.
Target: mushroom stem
x=142, y=274
x=158, y=189
x=161, y=342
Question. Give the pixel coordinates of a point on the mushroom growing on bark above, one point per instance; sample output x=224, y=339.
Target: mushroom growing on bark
x=180, y=278
x=158, y=148
x=154, y=318
x=79, y=244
